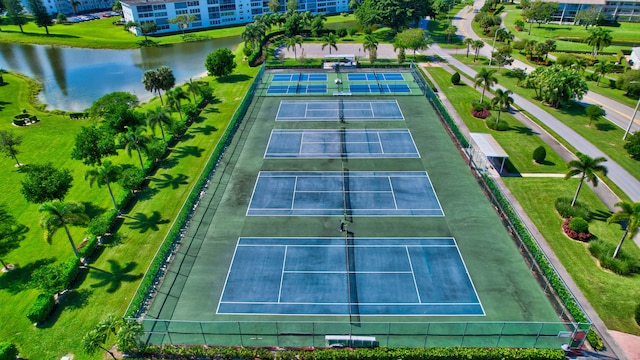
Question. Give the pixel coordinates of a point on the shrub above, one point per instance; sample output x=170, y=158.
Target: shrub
x=41, y=308
x=455, y=78
x=574, y=234
x=539, y=154
x=482, y=114
x=637, y=315
x=579, y=224
x=55, y=278
x=89, y=247
x=352, y=31
x=632, y=145
x=101, y=224
x=8, y=351
x=479, y=106
x=624, y=264
x=191, y=110
x=131, y=179
x=594, y=340
x=563, y=207
x=501, y=125
x=342, y=31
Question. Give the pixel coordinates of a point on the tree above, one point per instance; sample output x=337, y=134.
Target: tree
x=9, y=143
x=292, y=24
x=15, y=12
x=477, y=45
x=451, y=30
x=601, y=68
x=160, y=79
x=194, y=88
x=580, y=64
x=396, y=14
x=134, y=139
x=633, y=145
x=58, y=215
x=117, y=6
x=594, y=112
x=253, y=33
x=44, y=183
x=586, y=167
x=220, y=63
x=183, y=21
x=128, y=337
x=370, y=44
x=400, y=48
x=541, y=12
x=40, y=14
x=127, y=333
x=502, y=100
x=629, y=82
x=413, y=39
x=502, y=56
x=10, y=234
x=105, y=175
x=292, y=6
x=131, y=24
x=485, y=78
x=599, y=38
x=111, y=102
x=147, y=28
x=468, y=42
x=330, y=40
x=174, y=101
x=292, y=43
x=156, y=117
x=556, y=85
x=503, y=35
x=317, y=25
x=588, y=17
x=131, y=178
x=94, y=340
x=274, y=6
x=630, y=213
x=92, y=144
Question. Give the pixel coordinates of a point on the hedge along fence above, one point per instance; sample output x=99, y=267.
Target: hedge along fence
x=514, y=222
x=153, y=274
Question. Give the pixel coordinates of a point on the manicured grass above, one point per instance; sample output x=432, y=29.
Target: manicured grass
x=110, y=281
x=437, y=27
x=612, y=296
x=519, y=141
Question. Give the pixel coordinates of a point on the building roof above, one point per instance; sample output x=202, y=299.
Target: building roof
x=488, y=145
x=585, y=2
x=149, y=2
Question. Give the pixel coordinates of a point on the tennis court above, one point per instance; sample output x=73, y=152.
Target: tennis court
x=342, y=276
x=332, y=110
x=341, y=143
x=331, y=193
x=380, y=88
x=375, y=77
x=298, y=77
x=296, y=89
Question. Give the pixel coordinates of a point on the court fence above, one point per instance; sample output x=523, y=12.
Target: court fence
x=387, y=334
x=545, y=273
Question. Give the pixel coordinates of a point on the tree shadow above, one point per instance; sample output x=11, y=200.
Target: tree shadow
x=205, y=130
x=62, y=36
x=147, y=193
x=600, y=215
x=144, y=223
x=113, y=239
x=189, y=150
x=605, y=126
x=114, y=278
x=170, y=162
x=92, y=210
x=19, y=278
x=234, y=78
x=148, y=43
x=547, y=163
x=168, y=180
x=523, y=130
x=77, y=299
x=211, y=110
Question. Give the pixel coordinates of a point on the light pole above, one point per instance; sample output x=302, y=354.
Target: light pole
x=633, y=116
x=493, y=47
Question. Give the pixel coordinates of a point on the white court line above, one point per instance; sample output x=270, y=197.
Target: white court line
x=470, y=279
x=224, y=287
x=293, y=196
x=413, y=274
x=380, y=142
x=344, y=272
x=393, y=193
x=355, y=303
x=284, y=261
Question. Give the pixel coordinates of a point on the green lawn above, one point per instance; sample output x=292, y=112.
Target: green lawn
x=109, y=283
x=614, y=297
x=437, y=27
x=519, y=141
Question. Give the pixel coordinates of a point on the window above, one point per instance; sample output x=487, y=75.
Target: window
x=182, y=12
x=256, y=11
x=161, y=14
x=160, y=7
x=227, y=7
x=212, y=2
x=194, y=11
x=214, y=22
x=145, y=15
x=193, y=3
x=228, y=13
x=145, y=8
x=180, y=5
x=197, y=24
x=163, y=21
x=229, y=19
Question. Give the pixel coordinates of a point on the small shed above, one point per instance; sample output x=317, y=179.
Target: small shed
x=490, y=148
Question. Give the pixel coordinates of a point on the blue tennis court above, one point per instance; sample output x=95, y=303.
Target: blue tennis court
x=343, y=276
x=332, y=193
x=350, y=143
x=333, y=110
x=379, y=88
x=296, y=89
x=376, y=77
x=298, y=77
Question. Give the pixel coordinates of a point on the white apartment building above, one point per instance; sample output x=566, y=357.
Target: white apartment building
x=628, y=10
x=213, y=13
x=64, y=6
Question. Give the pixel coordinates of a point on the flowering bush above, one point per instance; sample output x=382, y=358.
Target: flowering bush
x=481, y=114
x=581, y=236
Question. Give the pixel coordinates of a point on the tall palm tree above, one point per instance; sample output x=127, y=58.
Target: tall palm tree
x=599, y=38
x=151, y=81
x=486, y=78
x=468, y=42
x=292, y=42
x=629, y=212
x=450, y=31
x=502, y=100
x=134, y=139
x=370, y=44
x=105, y=175
x=330, y=40
x=253, y=33
x=477, y=45
x=601, y=68
x=174, y=100
x=59, y=215
x=166, y=80
x=586, y=167
x=157, y=117
x=194, y=88
x=580, y=64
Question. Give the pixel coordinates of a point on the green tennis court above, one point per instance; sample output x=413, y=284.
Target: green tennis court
x=261, y=295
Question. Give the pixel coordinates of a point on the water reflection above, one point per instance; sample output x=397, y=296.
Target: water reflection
x=73, y=78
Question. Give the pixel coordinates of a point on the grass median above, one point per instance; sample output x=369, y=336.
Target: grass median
x=109, y=282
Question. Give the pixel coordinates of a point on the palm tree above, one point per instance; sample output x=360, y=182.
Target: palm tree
x=503, y=100
x=468, y=42
x=194, y=88
x=580, y=64
x=330, y=40
x=96, y=338
x=599, y=38
x=166, y=80
x=174, y=101
x=135, y=139
x=105, y=175
x=477, y=45
x=486, y=78
x=629, y=212
x=370, y=44
x=157, y=117
x=292, y=42
x=586, y=167
x=58, y=215
x=253, y=33
x=151, y=82
x=450, y=31
x=602, y=68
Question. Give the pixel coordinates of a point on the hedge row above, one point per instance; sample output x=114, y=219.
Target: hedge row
x=383, y=353
x=51, y=279
x=41, y=308
x=8, y=351
x=152, y=275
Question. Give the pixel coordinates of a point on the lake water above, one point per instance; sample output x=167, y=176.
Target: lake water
x=74, y=78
